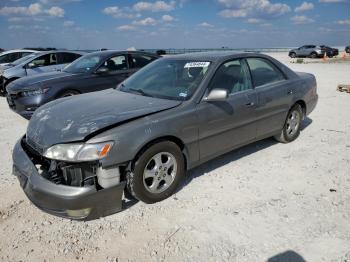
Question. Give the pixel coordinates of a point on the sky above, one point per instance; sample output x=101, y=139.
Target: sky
x=143, y=24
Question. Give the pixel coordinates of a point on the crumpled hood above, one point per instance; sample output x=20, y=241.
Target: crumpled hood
x=42, y=80
x=73, y=118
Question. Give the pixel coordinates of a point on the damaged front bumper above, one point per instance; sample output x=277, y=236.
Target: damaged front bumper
x=81, y=203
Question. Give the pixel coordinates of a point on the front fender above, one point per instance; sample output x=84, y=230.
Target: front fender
x=131, y=137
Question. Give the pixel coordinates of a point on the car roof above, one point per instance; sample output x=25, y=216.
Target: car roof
x=18, y=50
x=40, y=53
x=112, y=52
x=212, y=56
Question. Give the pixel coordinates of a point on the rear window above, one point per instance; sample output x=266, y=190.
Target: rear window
x=139, y=61
x=264, y=72
x=67, y=58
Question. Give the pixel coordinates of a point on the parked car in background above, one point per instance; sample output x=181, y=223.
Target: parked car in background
x=92, y=72
x=13, y=55
x=36, y=63
x=347, y=49
x=80, y=153
x=312, y=51
x=330, y=52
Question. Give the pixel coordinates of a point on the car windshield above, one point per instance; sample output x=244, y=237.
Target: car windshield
x=23, y=59
x=167, y=78
x=84, y=64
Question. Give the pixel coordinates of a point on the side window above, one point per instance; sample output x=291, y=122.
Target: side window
x=264, y=72
x=4, y=58
x=232, y=76
x=23, y=54
x=116, y=63
x=14, y=57
x=45, y=60
x=139, y=61
x=67, y=58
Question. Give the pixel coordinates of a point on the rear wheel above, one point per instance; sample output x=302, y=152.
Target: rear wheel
x=313, y=55
x=292, y=125
x=157, y=172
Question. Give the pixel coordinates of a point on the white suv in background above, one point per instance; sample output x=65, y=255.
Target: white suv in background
x=13, y=55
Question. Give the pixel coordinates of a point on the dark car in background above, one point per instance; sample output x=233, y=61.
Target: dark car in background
x=330, y=51
x=92, y=72
x=347, y=49
x=80, y=153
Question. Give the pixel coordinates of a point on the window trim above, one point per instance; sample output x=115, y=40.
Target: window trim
x=273, y=65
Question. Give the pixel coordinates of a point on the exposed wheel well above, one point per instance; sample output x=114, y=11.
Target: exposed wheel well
x=174, y=139
x=11, y=80
x=66, y=90
x=303, y=106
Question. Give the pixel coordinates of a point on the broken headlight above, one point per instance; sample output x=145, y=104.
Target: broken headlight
x=78, y=152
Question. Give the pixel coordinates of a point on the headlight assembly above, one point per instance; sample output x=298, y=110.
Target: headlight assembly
x=78, y=152
x=34, y=92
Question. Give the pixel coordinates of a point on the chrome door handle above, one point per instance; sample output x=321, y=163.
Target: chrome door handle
x=250, y=104
x=290, y=92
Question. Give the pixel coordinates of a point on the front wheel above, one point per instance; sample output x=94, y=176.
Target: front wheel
x=157, y=172
x=292, y=125
x=293, y=55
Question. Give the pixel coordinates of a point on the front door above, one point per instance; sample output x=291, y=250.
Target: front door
x=42, y=64
x=117, y=71
x=228, y=124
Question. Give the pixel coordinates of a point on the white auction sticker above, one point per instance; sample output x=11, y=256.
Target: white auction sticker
x=197, y=64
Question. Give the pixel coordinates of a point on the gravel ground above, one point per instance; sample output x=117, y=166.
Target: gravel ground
x=264, y=202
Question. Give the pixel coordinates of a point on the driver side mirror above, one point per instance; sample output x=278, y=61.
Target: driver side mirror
x=31, y=65
x=102, y=70
x=216, y=95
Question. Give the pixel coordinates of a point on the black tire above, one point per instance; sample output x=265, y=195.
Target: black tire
x=285, y=136
x=135, y=176
x=293, y=55
x=3, y=91
x=68, y=93
x=313, y=55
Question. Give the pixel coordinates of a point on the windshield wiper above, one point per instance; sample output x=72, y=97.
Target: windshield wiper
x=140, y=91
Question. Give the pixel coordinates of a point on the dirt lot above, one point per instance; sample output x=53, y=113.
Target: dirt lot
x=264, y=201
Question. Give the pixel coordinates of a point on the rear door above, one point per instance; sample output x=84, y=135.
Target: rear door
x=228, y=124
x=274, y=95
x=310, y=49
